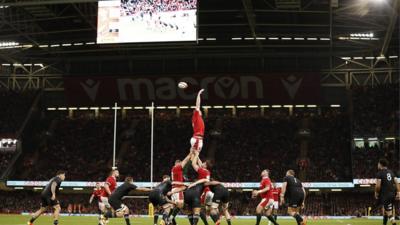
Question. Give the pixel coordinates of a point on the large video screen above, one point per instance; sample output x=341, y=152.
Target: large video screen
x=123, y=21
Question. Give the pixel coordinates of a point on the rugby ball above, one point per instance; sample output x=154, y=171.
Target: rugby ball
x=182, y=85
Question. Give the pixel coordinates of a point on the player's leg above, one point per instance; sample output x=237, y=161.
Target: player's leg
x=155, y=218
x=101, y=210
x=228, y=217
x=388, y=206
x=166, y=212
x=196, y=214
x=268, y=211
x=56, y=214
x=294, y=212
x=214, y=214
x=203, y=216
x=37, y=215
x=126, y=215
x=260, y=209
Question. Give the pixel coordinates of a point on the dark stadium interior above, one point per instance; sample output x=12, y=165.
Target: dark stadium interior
x=336, y=135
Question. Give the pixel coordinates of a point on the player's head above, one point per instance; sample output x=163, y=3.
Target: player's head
x=114, y=173
x=178, y=162
x=61, y=174
x=166, y=178
x=290, y=173
x=207, y=164
x=383, y=163
x=128, y=179
x=98, y=185
x=265, y=173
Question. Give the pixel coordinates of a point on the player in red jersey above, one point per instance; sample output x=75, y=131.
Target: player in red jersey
x=267, y=199
x=194, y=191
x=109, y=187
x=178, y=186
x=198, y=125
x=276, y=192
x=96, y=195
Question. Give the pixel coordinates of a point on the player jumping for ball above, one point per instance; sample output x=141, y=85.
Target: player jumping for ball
x=198, y=125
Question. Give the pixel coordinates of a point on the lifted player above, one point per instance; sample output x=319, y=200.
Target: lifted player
x=115, y=199
x=220, y=196
x=49, y=198
x=267, y=200
x=158, y=197
x=295, y=195
x=385, y=190
x=198, y=125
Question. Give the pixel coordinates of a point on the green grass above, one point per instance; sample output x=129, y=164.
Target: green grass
x=46, y=220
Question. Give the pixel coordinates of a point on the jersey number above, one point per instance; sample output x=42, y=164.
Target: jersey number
x=389, y=177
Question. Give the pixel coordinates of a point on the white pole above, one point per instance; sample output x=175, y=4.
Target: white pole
x=115, y=134
x=152, y=144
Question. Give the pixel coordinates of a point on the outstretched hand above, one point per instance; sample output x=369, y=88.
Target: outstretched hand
x=201, y=92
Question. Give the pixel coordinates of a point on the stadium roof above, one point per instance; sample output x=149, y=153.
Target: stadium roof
x=54, y=30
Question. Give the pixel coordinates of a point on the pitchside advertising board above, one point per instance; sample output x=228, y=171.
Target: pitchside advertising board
x=254, y=89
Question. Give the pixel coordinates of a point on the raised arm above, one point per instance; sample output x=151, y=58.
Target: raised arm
x=186, y=160
x=198, y=99
x=194, y=159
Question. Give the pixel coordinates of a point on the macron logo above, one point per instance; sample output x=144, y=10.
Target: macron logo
x=292, y=85
x=91, y=88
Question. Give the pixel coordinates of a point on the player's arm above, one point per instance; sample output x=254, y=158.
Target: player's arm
x=283, y=191
x=91, y=199
x=305, y=194
x=198, y=100
x=201, y=181
x=176, y=190
x=397, y=182
x=186, y=160
x=213, y=183
x=262, y=191
x=53, y=190
x=143, y=189
x=194, y=161
x=178, y=183
x=107, y=188
x=377, y=188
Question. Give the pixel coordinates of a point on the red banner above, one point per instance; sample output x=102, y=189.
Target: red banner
x=220, y=89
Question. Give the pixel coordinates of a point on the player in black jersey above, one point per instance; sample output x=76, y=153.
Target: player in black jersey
x=294, y=195
x=220, y=198
x=115, y=200
x=158, y=197
x=385, y=190
x=49, y=198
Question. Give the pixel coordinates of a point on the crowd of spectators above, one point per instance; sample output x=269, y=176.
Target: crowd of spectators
x=83, y=146
x=317, y=204
x=376, y=110
x=131, y=7
x=365, y=158
x=329, y=149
